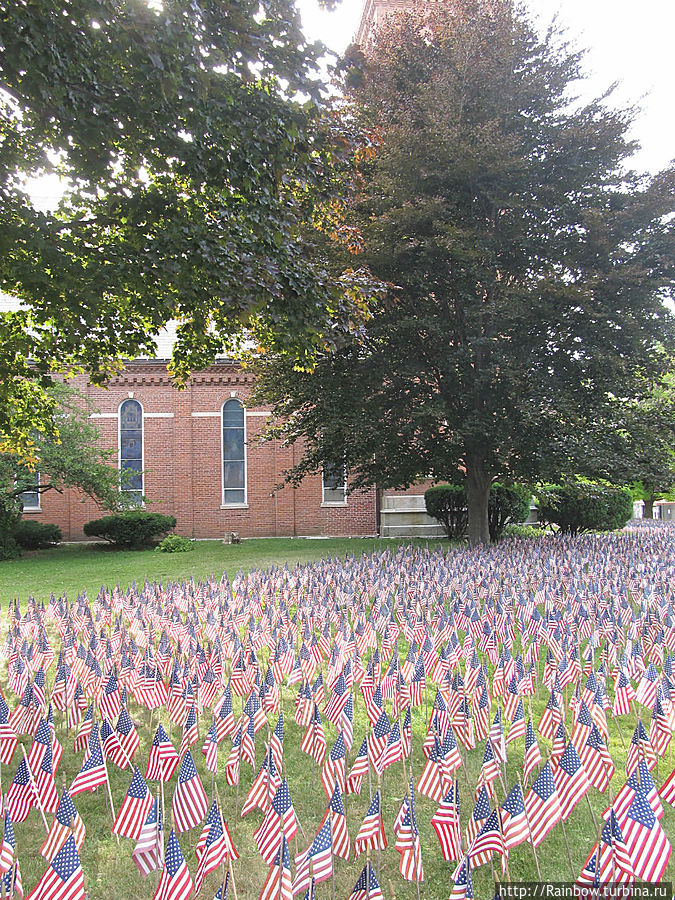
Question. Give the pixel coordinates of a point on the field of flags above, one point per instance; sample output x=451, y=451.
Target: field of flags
x=412, y=723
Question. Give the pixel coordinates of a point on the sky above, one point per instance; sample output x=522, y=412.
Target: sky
x=627, y=42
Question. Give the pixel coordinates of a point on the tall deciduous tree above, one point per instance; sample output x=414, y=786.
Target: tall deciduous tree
x=196, y=154
x=527, y=265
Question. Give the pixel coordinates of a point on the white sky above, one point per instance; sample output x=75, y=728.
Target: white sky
x=627, y=42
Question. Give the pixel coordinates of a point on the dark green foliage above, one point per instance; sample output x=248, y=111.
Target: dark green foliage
x=134, y=528
x=174, y=543
x=32, y=535
x=197, y=149
x=10, y=515
x=528, y=266
x=521, y=532
x=508, y=504
x=578, y=506
x=447, y=504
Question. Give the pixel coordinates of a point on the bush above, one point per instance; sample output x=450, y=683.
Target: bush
x=508, y=504
x=174, y=543
x=578, y=506
x=10, y=516
x=447, y=504
x=521, y=531
x=32, y=535
x=134, y=528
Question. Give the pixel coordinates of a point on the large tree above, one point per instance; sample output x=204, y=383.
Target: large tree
x=196, y=157
x=527, y=265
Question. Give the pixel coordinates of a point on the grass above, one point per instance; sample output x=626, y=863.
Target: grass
x=73, y=568
x=109, y=870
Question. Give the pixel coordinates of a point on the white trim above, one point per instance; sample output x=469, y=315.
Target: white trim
x=106, y=415
x=37, y=508
x=157, y=415
x=119, y=442
x=262, y=413
x=224, y=505
x=328, y=503
x=333, y=504
x=207, y=415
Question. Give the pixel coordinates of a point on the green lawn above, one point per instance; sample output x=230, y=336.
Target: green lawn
x=74, y=568
x=109, y=871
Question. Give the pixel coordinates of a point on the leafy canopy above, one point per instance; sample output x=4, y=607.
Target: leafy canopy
x=198, y=159
x=528, y=267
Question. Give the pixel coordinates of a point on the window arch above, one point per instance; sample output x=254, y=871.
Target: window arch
x=131, y=447
x=234, y=453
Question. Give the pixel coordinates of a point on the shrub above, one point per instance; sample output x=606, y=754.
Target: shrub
x=578, y=506
x=521, y=531
x=174, y=543
x=32, y=535
x=508, y=504
x=134, y=528
x=10, y=516
x=447, y=504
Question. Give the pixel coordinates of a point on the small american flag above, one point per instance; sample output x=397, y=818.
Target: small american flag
x=371, y=834
x=63, y=880
x=135, y=808
x=189, y=799
x=175, y=882
x=367, y=887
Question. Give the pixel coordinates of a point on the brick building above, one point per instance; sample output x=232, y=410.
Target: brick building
x=198, y=457
x=197, y=452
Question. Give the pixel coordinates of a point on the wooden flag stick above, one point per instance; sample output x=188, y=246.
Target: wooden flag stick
x=107, y=782
x=37, y=793
x=417, y=877
x=527, y=818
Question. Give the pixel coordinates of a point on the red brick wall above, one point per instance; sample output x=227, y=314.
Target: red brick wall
x=182, y=461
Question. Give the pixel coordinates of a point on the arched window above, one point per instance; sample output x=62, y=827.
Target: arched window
x=234, y=454
x=131, y=448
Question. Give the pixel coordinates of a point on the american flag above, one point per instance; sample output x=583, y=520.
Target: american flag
x=371, y=834
x=543, y=805
x=210, y=749
x=279, y=822
x=148, y=854
x=67, y=819
x=608, y=861
x=8, y=738
x=367, y=886
x=571, y=781
x=21, y=796
x=8, y=850
x=358, y=770
x=214, y=851
x=163, y=759
x=463, y=886
x=190, y=732
x=334, y=768
x=514, y=818
x=278, y=884
x=408, y=840
x=277, y=742
x=264, y=786
x=489, y=840
x=647, y=844
x=317, y=859
x=128, y=738
x=189, y=799
x=532, y=752
x=93, y=773
x=83, y=732
x=134, y=809
x=110, y=703
x=338, y=818
x=640, y=780
x=479, y=814
x=175, y=882
x=446, y=824
x=63, y=880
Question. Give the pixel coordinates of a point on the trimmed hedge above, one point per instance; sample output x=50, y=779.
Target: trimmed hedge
x=447, y=504
x=509, y=504
x=579, y=506
x=32, y=535
x=135, y=528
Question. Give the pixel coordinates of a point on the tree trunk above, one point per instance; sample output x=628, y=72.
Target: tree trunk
x=477, y=482
x=648, y=511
